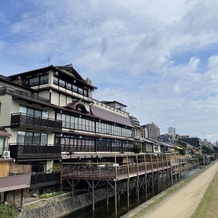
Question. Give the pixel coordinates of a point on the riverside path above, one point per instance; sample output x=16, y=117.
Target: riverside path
x=181, y=203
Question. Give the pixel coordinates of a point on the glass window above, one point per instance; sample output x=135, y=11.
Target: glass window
x=55, y=80
x=44, y=79
x=61, y=83
x=38, y=113
x=30, y=111
x=80, y=90
x=44, y=139
x=36, y=138
x=68, y=86
x=59, y=116
x=74, y=88
x=85, y=92
x=2, y=141
x=34, y=81
x=45, y=114
x=22, y=109
x=72, y=122
x=28, y=138
x=20, y=137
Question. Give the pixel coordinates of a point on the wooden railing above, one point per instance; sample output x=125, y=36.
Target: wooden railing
x=43, y=179
x=90, y=171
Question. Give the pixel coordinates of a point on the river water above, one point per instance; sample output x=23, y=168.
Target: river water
x=104, y=211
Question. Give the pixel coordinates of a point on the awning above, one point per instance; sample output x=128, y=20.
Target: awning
x=148, y=141
x=4, y=133
x=109, y=116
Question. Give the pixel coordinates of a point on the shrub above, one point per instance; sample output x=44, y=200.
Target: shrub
x=182, y=152
x=8, y=211
x=137, y=148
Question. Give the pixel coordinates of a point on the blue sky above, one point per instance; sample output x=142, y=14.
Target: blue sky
x=158, y=57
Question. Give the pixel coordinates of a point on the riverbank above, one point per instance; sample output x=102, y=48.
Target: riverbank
x=180, y=200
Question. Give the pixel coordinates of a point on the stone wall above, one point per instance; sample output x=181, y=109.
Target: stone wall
x=59, y=206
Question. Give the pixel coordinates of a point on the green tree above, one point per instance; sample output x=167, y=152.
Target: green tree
x=137, y=148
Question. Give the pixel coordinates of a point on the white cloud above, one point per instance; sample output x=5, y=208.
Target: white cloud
x=128, y=49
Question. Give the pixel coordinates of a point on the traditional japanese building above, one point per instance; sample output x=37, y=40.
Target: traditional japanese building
x=51, y=118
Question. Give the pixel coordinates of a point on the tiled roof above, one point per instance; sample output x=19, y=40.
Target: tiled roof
x=109, y=116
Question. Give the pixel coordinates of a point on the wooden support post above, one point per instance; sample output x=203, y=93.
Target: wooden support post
x=93, y=195
x=152, y=174
x=73, y=185
x=158, y=175
x=107, y=195
x=137, y=181
x=127, y=182
x=21, y=199
x=115, y=197
x=146, y=178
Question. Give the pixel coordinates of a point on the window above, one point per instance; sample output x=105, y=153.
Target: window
x=80, y=90
x=34, y=81
x=30, y=111
x=44, y=139
x=23, y=109
x=55, y=80
x=2, y=141
x=25, y=138
x=85, y=92
x=38, y=166
x=45, y=114
x=36, y=138
x=61, y=83
x=38, y=113
x=68, y=86
x=28, y=138
x=33, y=111
x=20, y=137
x=44, y=79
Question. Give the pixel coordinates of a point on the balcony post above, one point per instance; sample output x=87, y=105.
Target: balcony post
x=21, y=199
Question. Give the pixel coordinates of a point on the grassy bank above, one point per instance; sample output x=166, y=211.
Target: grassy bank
x=8, y=211
x=208, y=206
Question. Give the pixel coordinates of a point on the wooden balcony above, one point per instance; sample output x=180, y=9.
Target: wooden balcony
x=23, y=95
x=44, y=179
x=37, y=123
x=112, y=172
x=92, y=148
x=18, y=178
x=19, y=151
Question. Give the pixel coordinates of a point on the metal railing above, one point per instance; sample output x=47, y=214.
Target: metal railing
x=18, y=119
x=17, y=92
x=34, y=151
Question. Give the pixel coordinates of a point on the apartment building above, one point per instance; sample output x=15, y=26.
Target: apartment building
x=150, y=130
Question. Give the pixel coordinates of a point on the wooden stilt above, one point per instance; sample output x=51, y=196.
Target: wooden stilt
x=115, y=197
x=21, y=199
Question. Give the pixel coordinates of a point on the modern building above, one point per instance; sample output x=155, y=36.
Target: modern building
x=172, y=132
x=150, y=130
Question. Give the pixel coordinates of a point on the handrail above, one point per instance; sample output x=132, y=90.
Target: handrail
x=22, y=93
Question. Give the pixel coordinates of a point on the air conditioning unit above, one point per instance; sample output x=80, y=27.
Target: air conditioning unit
x=6, y=154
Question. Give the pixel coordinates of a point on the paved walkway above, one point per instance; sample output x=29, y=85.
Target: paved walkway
x=183, y=202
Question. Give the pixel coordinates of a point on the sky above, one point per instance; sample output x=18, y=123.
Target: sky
x=160, y=58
